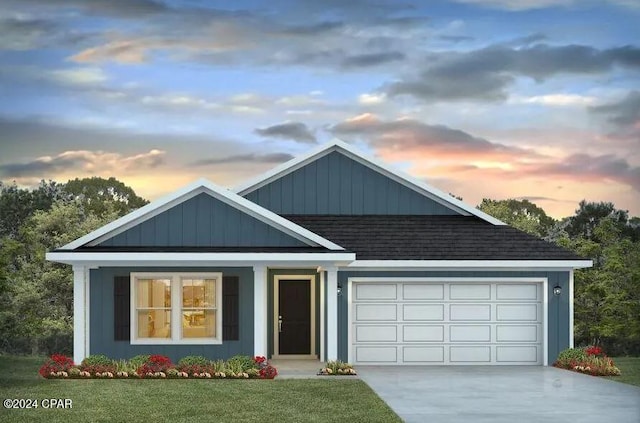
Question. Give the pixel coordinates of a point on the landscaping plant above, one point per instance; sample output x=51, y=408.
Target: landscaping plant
x=589, y=360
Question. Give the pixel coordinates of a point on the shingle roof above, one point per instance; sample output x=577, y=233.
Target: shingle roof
x=430, y=238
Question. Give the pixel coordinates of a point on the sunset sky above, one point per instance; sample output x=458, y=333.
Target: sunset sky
x=536, y=99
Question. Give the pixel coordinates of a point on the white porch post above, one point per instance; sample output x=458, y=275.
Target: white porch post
x=322, y=315
x=260, y=310
x=332, y=313
x=80, y=325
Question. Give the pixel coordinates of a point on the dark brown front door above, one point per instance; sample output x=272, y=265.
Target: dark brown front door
x=294, y=303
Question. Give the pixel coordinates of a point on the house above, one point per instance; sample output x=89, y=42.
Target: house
x=332, y=255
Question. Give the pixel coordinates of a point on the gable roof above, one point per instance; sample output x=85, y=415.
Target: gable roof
x=340, y=146
x=200, y=186
x=431, y=238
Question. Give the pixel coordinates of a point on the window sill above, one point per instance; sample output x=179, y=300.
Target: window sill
x=176, y=342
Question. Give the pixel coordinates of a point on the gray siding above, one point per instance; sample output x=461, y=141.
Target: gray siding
x=202, y=221
x=102, y=319
x=558, y=307
x=335, y=184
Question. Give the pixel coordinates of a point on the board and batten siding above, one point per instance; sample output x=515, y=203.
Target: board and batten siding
x=338, y=185
x=101, y=311
x=202, y=221
x=558, y=307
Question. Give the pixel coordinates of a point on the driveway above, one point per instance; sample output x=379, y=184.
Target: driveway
x=501, y=394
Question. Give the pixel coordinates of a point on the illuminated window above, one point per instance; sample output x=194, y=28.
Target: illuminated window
x=176, y=308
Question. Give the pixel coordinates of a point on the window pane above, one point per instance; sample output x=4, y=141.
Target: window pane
x=199, y=324
x=198, y=293
x=154, y=324
x=154, y=293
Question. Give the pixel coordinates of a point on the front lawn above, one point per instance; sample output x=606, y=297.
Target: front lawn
x=629, y=368
x=155, y=401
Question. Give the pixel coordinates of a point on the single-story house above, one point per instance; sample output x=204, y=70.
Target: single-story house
x=332, y=255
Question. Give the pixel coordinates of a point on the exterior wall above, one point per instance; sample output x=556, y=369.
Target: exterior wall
x=558, y=307
x=202, y=221
x=335, y=184
x=270, y=294
x=101, y=321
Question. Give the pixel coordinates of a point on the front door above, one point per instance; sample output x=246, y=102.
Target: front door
x=294, y=316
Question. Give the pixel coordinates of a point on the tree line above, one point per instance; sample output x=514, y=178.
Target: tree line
x=36, y=296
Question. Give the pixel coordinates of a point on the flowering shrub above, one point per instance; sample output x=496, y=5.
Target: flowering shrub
x=57, y=365
x=337, y=368
x=155, y=366
x=268, y=372
x=589, y=360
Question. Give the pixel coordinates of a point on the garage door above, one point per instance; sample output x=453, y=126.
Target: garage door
x=455, y=323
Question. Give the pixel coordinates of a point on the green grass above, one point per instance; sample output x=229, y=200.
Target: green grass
x=294, y=400
x=630, y=368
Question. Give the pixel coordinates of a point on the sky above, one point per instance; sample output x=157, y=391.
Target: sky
x=528, y=99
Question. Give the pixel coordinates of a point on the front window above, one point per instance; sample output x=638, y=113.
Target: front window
x=178, y=308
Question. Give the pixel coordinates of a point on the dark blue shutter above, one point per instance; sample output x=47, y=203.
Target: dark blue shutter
x=230, y=308
x=121, y=308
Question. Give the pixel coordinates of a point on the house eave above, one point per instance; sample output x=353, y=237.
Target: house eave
x=396, y=265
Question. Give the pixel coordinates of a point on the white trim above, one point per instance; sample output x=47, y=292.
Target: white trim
x=466, y=264
x=176, y=308
x=79, y=314
x=571, y=310
x=195, y=258
x=201, y=186
x=338, y=145
x=276, y=310
x=332, y=313
x=260, y=311
x=322, y=315
x=382, y=279
x=87, y=311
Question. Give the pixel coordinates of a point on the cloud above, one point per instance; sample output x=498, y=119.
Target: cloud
x=79, y=76
x=244, y=158
x=119, y=8
x=456, y=38
x=519, y=5
x=82, y=160
x=556, y=100
x=372, y=59
x=24, y=33
x=407, y=137
x=486, y=73
x=296, y=131
x=625, y=112
x=313, y=29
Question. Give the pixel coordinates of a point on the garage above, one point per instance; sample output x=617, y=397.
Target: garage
x=445, y=322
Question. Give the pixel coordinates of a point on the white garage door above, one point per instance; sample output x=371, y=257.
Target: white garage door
x=455, y=323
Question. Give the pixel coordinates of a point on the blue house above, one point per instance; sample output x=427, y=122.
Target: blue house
x=332, y=255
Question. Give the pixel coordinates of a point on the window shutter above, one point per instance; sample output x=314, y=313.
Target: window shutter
x=230, y=308
x=121, y=308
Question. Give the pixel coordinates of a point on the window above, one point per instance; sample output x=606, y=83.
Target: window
x=176, y=308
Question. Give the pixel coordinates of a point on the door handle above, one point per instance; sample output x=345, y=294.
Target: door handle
x=279, y=323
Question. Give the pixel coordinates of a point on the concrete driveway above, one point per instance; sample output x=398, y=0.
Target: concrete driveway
x=501, y=394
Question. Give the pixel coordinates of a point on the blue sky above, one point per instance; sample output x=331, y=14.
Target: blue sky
x=500, y=99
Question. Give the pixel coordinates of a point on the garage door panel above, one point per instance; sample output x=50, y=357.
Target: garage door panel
x=376, y=333
x=470, y=312
x=441, y=323
x=423, y=292
x=517, y=333
x=423, y=312
x=517, y=354
x=376, y=354
x=376, y=292
x=522, y=291
x=417, y=355
x=517, y=312
x=470, y=354
x=423, y=333
x=376, y=312
x=470, y=292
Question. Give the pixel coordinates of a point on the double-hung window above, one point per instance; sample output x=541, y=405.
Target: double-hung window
x=176, y=308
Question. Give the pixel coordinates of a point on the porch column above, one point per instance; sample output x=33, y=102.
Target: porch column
x=260, y=310
x=332, y=313
x=80, y=313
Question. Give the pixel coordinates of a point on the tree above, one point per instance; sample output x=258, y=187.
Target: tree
x=589, y=214
x=99, y=195
x=521, y=214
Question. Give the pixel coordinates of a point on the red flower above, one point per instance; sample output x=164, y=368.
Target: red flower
x=56, y=363
x=259, y=359
x=594, y=350
x=268, y=372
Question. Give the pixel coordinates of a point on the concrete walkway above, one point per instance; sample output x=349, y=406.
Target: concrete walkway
x=498, y=394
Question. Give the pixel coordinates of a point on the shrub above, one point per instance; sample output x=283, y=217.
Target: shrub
x=570, y=357
x=56, y=364
x=98, y=363
x=241, y=363
x=156, y=365
x=590, y=360
x=138, y=360
x=337, y=367
x=268, y=372
x=193, y=360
